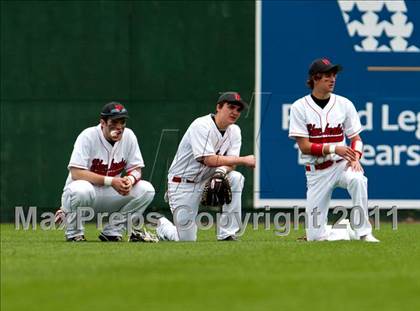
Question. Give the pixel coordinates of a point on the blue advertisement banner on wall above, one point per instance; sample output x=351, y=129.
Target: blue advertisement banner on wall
x=378, y=45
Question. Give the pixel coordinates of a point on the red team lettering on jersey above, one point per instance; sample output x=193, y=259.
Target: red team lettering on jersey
x=102, y=169
x=328, y=135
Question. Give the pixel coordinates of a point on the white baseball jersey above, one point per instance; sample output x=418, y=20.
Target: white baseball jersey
x=93, y=152
x=203, y=138
x=326, y=125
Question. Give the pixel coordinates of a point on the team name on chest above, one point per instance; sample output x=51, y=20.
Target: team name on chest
x=329, y=134
x=98, y=166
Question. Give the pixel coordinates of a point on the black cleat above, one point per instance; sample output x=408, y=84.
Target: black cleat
x=109, y=238
x=77, y=238
x=143, y=236
x=302, y=238
x=230, y=238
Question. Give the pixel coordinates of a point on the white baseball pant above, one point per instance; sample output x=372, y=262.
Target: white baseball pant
x=320, y=186
x=81, y=193
x=184, y=200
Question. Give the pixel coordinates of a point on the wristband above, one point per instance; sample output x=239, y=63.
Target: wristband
x=357, y=145
x=134, y=176
x=316, y=150
x=331, y=149
x=108, y=180
x=132, y=179
x=221, y=170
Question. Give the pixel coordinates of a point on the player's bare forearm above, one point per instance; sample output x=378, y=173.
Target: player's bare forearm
x=82, y=174
x=229, y=161
x=306, y=147
x=354, y=138
x=121, y=185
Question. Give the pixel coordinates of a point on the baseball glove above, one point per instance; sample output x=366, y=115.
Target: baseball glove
x=217, y=190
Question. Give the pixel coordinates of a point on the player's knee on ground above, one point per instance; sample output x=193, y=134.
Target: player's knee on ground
x=236, y=180
x=79, y=193
x=184, y=219
x=187, y=236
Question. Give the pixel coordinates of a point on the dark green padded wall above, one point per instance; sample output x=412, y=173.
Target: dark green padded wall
x=62, y=61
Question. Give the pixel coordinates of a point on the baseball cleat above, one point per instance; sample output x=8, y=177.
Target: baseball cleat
x=302, y=238
x=230, y=238
x=109, y=238
x=142, y=235
x=77, y=238
x=369, y=238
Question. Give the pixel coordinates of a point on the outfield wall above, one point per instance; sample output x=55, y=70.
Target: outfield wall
x=61, y=61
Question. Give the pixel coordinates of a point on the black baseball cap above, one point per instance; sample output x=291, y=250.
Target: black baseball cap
x=114, y=110
x=322, y=65
x=232, y=98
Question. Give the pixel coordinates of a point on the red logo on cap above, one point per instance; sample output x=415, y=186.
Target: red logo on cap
x=119, y=107
x=237, y=96
x=326, y=61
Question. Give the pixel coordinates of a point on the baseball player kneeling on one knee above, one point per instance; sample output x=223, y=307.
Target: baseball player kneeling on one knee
x=101, y=153
x=319, y=122
x=205, y=162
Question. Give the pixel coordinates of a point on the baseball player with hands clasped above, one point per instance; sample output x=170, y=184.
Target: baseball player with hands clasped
x=203, y=171
x=101, y=153
x=319, y=123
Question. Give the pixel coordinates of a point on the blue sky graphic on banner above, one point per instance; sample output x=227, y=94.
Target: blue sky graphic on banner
x=378, y=44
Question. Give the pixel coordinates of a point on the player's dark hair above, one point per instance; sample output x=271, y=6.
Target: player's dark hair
x=311, y=78
x=220, y=105
x=317, y=76
x=106, y=118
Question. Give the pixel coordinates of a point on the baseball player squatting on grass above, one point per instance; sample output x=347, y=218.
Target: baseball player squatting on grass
x=319, y=123
x=101, y=153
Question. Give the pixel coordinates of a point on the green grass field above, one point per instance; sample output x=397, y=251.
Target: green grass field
x=39, y=271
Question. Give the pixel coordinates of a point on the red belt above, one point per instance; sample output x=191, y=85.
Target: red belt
x=322, y=166
x=179, y=179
